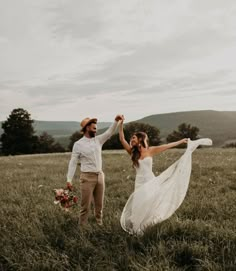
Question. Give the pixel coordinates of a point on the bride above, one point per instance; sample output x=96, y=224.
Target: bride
x=155, y=198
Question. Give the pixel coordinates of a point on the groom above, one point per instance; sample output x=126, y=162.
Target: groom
x=88, y=150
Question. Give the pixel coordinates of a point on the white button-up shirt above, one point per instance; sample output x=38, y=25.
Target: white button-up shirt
x=89, y=152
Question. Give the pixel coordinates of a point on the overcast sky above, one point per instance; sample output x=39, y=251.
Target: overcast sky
x=69, y=59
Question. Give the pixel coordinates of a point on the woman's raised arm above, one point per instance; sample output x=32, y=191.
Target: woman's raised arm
x=122, y=138
x=157, y=149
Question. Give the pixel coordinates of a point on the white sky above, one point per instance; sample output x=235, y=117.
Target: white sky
x=69, y=59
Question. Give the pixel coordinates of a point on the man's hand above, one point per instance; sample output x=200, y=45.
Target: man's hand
x=119, y=117
x=69, y=186
x=184, y=140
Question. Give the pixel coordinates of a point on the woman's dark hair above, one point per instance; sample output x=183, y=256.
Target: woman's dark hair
x=135, y=150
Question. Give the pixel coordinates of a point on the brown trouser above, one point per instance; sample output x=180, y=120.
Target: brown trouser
x=92, y=187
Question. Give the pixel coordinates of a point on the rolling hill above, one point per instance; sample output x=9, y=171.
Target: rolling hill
x=58, y=128
x=61, y=128
x=218, y=125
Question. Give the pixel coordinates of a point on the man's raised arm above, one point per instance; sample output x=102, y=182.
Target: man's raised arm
x=110, y=131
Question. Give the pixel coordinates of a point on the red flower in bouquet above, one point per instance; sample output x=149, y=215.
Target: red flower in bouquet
x=75, y=199
x=65, y=198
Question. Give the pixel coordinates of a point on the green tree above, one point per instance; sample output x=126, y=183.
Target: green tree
x=230, y=145
x=47, y=144
x=184, y=131
x=129, y=129
x=18, y=136
x=73, y=138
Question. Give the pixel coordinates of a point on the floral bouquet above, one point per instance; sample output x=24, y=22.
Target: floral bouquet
x=65, y=198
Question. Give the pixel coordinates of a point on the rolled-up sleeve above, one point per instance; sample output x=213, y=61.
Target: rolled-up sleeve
x=106, y=135
x=73, y=163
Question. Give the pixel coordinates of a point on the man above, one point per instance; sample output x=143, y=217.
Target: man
x=88, y=150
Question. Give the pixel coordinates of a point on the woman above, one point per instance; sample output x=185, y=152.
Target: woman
x=155, y=198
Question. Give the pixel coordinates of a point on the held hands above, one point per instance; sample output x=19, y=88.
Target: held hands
x=184, y=140
x=119, y=118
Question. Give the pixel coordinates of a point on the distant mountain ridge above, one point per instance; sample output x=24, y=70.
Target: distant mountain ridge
x=61, y=128
x=217, y=125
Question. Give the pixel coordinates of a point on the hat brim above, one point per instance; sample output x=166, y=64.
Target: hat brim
x=89, y=122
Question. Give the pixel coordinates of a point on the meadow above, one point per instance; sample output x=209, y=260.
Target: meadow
x=37, y=235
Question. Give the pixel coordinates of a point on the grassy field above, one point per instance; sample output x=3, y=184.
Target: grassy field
x=37, y=235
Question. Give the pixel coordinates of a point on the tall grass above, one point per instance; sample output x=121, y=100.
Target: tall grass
x=37, y=235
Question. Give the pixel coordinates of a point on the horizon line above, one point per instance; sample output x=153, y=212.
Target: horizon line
x=173, y=112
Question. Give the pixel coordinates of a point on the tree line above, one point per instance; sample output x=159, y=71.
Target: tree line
x=19, y=136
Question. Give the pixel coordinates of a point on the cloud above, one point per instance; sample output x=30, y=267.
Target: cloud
x=75, y=19
x=135, y=56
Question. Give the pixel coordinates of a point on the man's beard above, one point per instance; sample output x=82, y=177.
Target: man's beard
x=92, y=134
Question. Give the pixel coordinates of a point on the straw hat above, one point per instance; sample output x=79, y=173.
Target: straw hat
x=85, y=122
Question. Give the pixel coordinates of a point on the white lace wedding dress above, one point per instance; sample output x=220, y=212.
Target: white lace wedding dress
x=157, y=198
